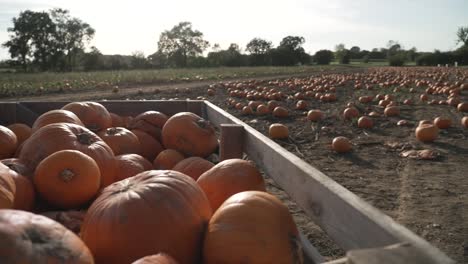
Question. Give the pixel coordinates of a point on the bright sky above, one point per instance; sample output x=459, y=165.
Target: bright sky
x=124, y=26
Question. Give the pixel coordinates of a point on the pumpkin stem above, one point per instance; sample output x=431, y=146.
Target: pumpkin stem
x=85, y=138
x=67, y=175
x=112, y=131
x=204, y=124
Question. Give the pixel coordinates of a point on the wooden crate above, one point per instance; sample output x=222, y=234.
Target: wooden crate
x=368, y=235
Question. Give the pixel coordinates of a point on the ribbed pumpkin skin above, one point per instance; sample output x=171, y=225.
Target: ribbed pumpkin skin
x=31, y=238
x=149, y=146
x=93, y=115
x=167, y=159
x=151, y=122
x=55, y=137
x=67, y=178
x=160, y=258
x=117, y=121
x=22, y=131
x=252, y=227
x=19, y=166
x=189, y=134
x=155, y=211
x=7, y=188
x=8, y=143
x=193, y=166
x=129, y=165
x=228, y=178
x=120, y=140
x=56, y=116
x=25, y=193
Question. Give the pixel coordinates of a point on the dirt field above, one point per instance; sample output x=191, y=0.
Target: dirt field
x=430, y=197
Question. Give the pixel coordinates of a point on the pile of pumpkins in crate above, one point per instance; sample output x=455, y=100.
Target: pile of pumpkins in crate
x=83, y=185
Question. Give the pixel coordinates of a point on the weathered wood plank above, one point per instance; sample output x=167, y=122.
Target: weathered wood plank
x=395, y=254
x=337, y=261
x=7, y=113
x=230, y=147
x=346, y=218
x=25, y=115
x=311, y=254
x=42, y=107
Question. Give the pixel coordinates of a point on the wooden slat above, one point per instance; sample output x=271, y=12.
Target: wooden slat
x=42, y=107
x=337, y=261
x=230, y=147
x=346, y=218
x=7, y=113
x=395, y=254
x=25, y=115
x=311, y=254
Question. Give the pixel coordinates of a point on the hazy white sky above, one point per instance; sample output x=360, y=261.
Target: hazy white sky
x=124, y=26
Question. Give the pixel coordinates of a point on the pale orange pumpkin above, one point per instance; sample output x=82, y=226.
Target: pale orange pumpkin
x=120, y=140
x=443, y=122
x=464, y=121
x=315, y=115
x=149, y=146
x=278, y=131
x=7, y=187
x=129, y=165
x=365, y=122
x=193, y=166
x=427, y=132
x=22, y=131
x=167, y=159
x=55, y=116
x=8, y=143
x=280, y=111
x=93, y=115
x=341, y=145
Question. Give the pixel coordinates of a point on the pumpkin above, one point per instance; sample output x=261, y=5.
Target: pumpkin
x=365, y=122
x=151, y=122
x=129, y=165
x=189, y=134
x=25, y=194
x=271, y=105
x=19, y=166
x=427, y=132
x=149, y=146
x=72, y=219
x=315, y=115
x=193, y=166
x=7, y=188
x=278, y=131
x=462, y=107
x=350, y=113
x=120, y=140
x=262, y=109
x=464, y=122
x=402, y=122
x=8, y=143
x=56, y=116
x=167, y=159
x=154, y=211
x=22, y=131
x=160, y=258
x=392, y=111
x=280, y=112
x=341, y=145
x=301, y=105
x=422, y=122
x=30, y=238
x=373, y=114
x=60, y=136
x=252, y=227
x=67, y=178
x=247, y=110
x=117, y=121
x=442, y=122
x=229, y=177
x=93, y=115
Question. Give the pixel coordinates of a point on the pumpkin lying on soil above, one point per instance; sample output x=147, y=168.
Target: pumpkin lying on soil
x=29, y=238
x=67, y=178
x=252, y=227
x=56, y=116
x=22, y=132
x=464, y=121
x=278, y=131
x=160, y=258
x=120, y=140
x=193, y=166
x=365, y=122
x=7, y=187
x=427, y=132
x=315, y=115
x=129, y=165
x=230, y=177
x=60, y=136
x=8, y=143
x=154, y=211
x=341, y=145
x=443, y=122
x=93, y=115
x=189, y=134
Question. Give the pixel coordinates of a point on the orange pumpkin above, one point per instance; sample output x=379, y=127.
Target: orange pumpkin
x=271, y=105
x=462, y=107
x=341, y=145
x=280, y=111
x=19, y=166
x=262, y=110
x=151, y=122
x=278, y=131
x=25, y=194
x=149, y=146
x=156, y=211
x=67, y=178
x=129, y=165
x=229, y=177
x=252, y=227
x=193, y=166
x=301, y=105
x=392, y=111
x=22, y=131
x=167, y=159
x=120, y=140
x=160, y=258
x=442, y=122
x=464, y=122
x=117, y=121
x=427, y=132
x=93, y=115
x=7, y=188
x=247, y=110
x=60, y=136
x=315, y=115
x=8, y=143
x=350, y=113
x=189, y=134
x=56, y=116
x=30, y=238
x=365, y=122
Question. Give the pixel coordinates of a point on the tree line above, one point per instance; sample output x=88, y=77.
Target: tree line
x=56, y=41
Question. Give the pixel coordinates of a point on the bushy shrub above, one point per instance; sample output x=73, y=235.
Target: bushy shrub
x=396, y=60
x=323, y=57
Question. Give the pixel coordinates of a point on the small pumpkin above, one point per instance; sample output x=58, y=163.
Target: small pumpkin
x=157, y=211
x=278, y=131
x=315, y=115
x=443, y=122
x=365, y=122
x=7, y=188
x=149, y=146
x=56, y=116
x=280, y=111
x=341, y=144
x=167, y=159
x=120, y=140
x=252, y=227
x=229, y=177
x=193, y=166
x=350, y=113
x=25, y=194
x=67, y=178
x=117, y=120
x=93, y=115
x=151, y=122
x=462, y=107
x=22, y=131
x=464, y=122
x=189, y=134
x=30, y=238
x=262, y=109
x=129, y=165
x=392, y=111
x=301, y=105
x=427, y=132
x=8, y=143
x=160, y=258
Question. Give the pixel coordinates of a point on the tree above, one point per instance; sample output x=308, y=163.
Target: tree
x=258, y=46
x=462, y=35
x=93, y=60
x=323, y=57
x=290, y=52
x=138, y=60
x=355, y=52
x=181, y=42
x=342, y=54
